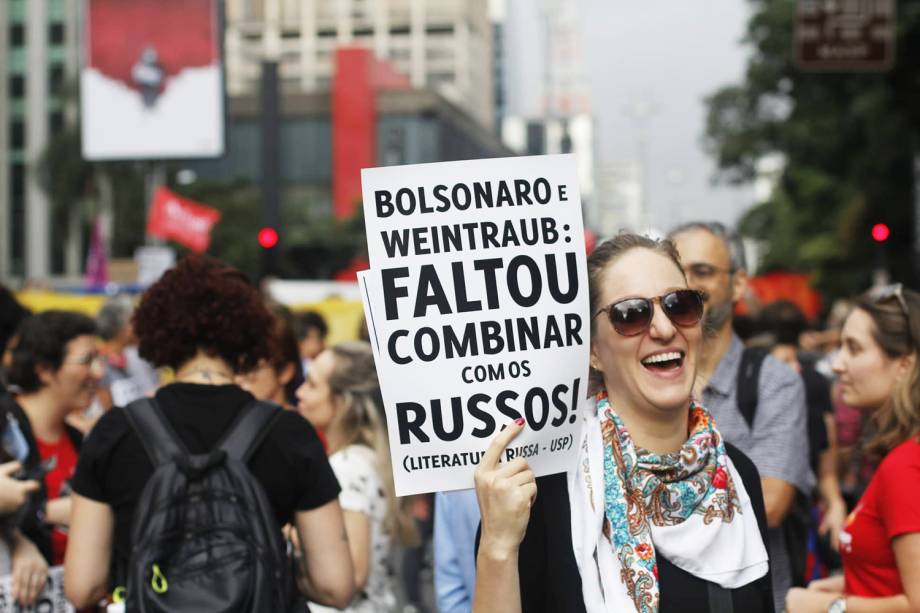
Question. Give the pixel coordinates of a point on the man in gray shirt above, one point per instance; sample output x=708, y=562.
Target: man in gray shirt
x=777, y=440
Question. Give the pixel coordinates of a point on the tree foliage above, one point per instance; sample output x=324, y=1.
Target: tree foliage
x=71, y=181
x=310, y=247
x=848, y=140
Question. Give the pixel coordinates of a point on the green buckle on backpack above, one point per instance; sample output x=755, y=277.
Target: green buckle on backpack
x=158, y=581
x=118, y=594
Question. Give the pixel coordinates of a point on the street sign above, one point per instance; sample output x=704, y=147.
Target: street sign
x=840, y=35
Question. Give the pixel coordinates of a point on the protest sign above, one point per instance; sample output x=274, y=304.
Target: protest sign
x=51, y=599
x=477, y=309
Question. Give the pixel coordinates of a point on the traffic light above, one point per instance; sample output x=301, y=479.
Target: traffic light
x=880, y=232
x=268, y=237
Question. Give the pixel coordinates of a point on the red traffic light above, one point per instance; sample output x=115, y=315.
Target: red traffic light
x=880, y=232
x=268, y=238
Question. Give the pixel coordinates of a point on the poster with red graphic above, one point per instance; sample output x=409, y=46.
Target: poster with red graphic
x=151, y=85
x=180, y=219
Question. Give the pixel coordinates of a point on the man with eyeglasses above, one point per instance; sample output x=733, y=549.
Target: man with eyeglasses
x=776, y=439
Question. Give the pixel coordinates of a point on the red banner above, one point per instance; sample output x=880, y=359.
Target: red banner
x=182, y=220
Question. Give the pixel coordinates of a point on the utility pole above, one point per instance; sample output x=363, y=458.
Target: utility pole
x=270, y=114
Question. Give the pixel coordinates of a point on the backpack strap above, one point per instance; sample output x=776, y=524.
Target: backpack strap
x=250, y=429
x=160, y=441
x=749, y=381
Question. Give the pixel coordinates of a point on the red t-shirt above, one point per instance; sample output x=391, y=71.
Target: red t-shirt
x=54, y=480
x=889, y=507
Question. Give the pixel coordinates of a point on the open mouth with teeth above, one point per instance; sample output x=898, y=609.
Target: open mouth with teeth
x=663, y=362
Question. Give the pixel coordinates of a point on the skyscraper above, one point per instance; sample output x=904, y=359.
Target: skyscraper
x=39, y=53
x=547, y=107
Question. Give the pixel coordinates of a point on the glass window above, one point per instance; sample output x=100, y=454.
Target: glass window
x=17, y=35
x=56, y=79
x=17, y=134
x=17, y=86
x=56, y=121
x=443, y=29
x=17, y=180
x=56, y=33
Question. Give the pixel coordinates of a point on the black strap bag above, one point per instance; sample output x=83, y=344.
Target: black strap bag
x=795, y=525
x=204, y=536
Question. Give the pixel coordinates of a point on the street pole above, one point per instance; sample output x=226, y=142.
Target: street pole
x=154, y=178
x=271, y=157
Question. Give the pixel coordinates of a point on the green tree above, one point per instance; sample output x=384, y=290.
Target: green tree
x=311, y=247
x=848, y=140
x=71, y=181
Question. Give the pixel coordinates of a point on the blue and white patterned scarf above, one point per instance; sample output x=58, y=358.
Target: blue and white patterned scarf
x=689, y=506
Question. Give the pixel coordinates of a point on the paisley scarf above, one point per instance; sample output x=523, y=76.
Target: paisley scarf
x=689, y=505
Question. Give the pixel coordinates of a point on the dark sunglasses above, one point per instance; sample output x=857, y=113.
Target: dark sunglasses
x=633, y=316
x=896, y=290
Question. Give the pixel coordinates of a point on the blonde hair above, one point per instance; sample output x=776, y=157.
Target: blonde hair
x=896, y=330
x=354, y=380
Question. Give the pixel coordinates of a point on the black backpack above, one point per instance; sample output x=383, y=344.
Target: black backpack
x=795, y=525
x=204, y=536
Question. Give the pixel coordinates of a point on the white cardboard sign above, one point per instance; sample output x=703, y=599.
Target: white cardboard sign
x=477, y=308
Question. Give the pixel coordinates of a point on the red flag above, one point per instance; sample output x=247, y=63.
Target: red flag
x=182, y=220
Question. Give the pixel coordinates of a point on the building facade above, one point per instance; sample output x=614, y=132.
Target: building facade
x=546, y=106
x=445, y=45
x=412, y=127
x=38, y=52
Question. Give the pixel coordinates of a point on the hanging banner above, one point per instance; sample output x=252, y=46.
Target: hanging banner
x=151, y=85
x=477, y=307
x=181, y=219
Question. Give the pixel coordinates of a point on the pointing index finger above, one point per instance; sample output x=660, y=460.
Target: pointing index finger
x=29, y=486
x=8, y=468
x=493, y=453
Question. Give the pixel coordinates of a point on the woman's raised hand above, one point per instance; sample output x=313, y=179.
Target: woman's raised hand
x=505, y=492
x=13, y=492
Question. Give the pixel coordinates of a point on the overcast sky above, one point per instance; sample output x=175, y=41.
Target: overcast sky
x=668, y=54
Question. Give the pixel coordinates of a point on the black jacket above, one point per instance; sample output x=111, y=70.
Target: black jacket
x=30, y=519
x=550, y=581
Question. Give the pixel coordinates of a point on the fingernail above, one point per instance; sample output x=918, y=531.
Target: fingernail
x=519, y=421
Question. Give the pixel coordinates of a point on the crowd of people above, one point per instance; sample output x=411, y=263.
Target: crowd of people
x=200, y=448
x=684, y=418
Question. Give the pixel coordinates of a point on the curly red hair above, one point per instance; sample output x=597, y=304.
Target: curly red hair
x=203, y=305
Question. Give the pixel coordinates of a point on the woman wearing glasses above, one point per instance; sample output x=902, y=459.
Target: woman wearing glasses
x=54, y=371
x=659, y=514
x=878, y=371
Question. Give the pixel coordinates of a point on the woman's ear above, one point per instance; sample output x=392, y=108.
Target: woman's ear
x=45, y=374
x=906, y=364
x=286, y=374
x=340, y=403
